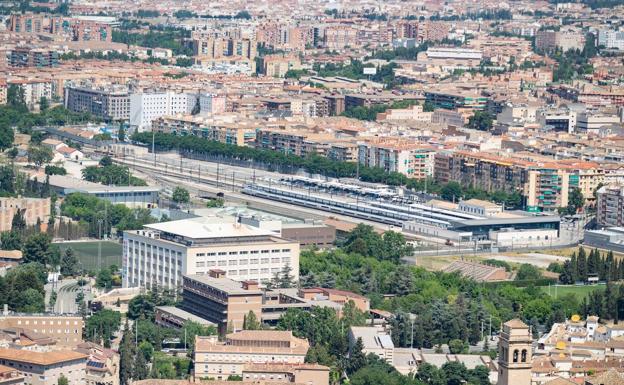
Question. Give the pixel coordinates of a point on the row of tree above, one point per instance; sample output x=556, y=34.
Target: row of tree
x=581, y=266
x=111, y=174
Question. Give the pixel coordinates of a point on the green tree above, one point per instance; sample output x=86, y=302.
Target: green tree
x=481, y=120
x=357, y=359
x=451, y=192
x=181, y=195
x=250, y=321
x=121, y=134
x=457, y=346
x=69, y=263
x=126, y=354
x=18, y=223
x=101, y=326
x=43, y=103
x=39, y=155
x=38, y=248
x=11, y=240
x=527, y=271
x=139, y=369
x=62, y=380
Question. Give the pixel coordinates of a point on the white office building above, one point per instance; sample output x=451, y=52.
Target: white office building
x=210, y=103
x=611, y=39
x=161, y=253
x=148, y=106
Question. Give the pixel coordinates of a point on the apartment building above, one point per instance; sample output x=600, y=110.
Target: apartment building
x=228, y=132
x=33, y=57
x=610, y=206
x=219, y=360
x=161, y=253
x=220, y=300
x=64, y=331
x=32, y=209
x=544, y=186
x=278, y=65
x=611, y=39
x=76, y=29
x=414, y=160
x=107, y=103
x=339, y=37
x=220, y=47
x=147, y=106
x=290, y=141
x=413, y=113
x=564, y=40
x=453, y=99
x=39, y=368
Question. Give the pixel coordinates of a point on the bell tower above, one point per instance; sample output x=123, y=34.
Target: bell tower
x=514, y=354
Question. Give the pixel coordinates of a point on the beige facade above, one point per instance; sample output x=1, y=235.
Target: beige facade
x=10, y=376
x=515, y=354
x=46, y=368
x=33, y=208
x=219, y=360
x=66, y=331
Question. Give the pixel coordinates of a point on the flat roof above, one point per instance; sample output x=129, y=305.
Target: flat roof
x=70, y=183
x=202, y=228
x=226, y=285
x=177, y=312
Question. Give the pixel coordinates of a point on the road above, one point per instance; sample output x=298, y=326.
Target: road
x=66, y=291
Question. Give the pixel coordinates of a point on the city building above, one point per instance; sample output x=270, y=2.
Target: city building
x=220, y=300
x=610, y=206
x=413, y=159
x=147, y=106
x=33, y=210
x=611, y=39
x=33, y=57
x=220, y=47
x=161, y=253
x=173, y=317
x=39, y=368
x=107, y=103
x=219, y=360
x=279, y=65
x=566, y=40
x=64, y=331
x=10, y=376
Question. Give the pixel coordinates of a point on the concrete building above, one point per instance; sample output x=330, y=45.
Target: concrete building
x=564, y=40
x=413, y=159
x=33, y=57
x=108, y=103
x=40, y=368
x=374, y=341
x=278, y=65
x=148, y=106
x=161, y=253
x=64, y=331
x=219, y=360
x=220, y=47
x=611, y=39
x=480, y=207
x=610, y=206
x=173, y=317
x=219, y=300
x=592, y=123
x=32, y=209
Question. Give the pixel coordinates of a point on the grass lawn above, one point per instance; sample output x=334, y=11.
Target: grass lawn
x=579, y=291
x=87, y=253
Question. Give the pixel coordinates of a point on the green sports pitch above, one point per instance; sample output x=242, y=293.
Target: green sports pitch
x=580, y=291
x=87, y=253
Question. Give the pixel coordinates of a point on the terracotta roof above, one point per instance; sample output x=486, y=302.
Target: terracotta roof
x=40, y=358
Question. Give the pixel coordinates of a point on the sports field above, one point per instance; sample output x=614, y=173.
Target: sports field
x=87, y=253
x=580, y=291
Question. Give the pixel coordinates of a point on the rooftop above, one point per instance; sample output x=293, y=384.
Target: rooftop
x=226, y=285
x=202, y=228
x=40, y=358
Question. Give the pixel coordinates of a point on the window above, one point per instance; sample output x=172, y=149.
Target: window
x=253, y=261
x=264, y=271
x=200, y=264
x=265, y=251
x=232, y=262
x=264, y=260
x=275, y=260
x=524, y=355
x=233, y=253
x=286, y=259
x=285, y=250
x=515, y=355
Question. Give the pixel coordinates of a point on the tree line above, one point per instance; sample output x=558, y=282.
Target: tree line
x=581, y=266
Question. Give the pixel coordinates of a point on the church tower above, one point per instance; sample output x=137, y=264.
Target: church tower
x=514, y=354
